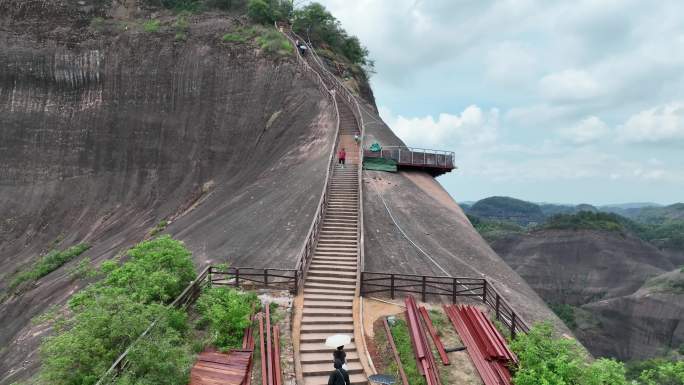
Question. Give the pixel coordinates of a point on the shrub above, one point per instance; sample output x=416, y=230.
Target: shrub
x=586, y=220
x=665, y=373
x=545, y=359
x=315, y=22
x=273, y=42
x=110, y=314
x=151, y=25
x=49, y=263
x=269, y=11
x=566, y=313
x=234, y=37
x=226, y=311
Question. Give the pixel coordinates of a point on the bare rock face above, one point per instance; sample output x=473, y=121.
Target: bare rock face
x=640, y=325
x=106, y=131
x=603, y=275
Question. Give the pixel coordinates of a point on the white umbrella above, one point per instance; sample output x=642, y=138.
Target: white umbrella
x=337, y=340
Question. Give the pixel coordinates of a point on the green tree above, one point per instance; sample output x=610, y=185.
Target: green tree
x=226, y=311
x=665, y=373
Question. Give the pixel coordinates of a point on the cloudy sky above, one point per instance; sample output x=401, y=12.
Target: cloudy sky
x=553, y=101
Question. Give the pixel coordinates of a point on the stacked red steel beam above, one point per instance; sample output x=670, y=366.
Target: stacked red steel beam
x=421, y=347
x=486, y=346
x=248, y=344
x=270, y=350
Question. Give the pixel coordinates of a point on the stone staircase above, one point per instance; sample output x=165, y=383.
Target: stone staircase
x=330, y=284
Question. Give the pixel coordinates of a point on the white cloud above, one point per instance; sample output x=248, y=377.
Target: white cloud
x=473, y=126
x=586, y=131
x=569, y=86
x=663, y=124
x=510, y=63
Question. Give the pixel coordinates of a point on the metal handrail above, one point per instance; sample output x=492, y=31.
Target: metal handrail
x=306, y=252
x=344, y=91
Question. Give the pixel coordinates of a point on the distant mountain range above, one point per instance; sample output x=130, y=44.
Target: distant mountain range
x=605, y=270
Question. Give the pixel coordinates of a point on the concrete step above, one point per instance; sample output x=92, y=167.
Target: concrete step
x=331, y=273
x=346, y=267
x=346, y=261
x=333, y=223
x=328, y=320
x=325, y=369
x=330, y=329
x=328, y=305
x=315, y=347
x=319, y=337
x=354, y=379
x=337, y=242
x=327, y=291
x=330, y=287
x=337, y=249
x=326, y=358
x=331, y=280
x=327, y=297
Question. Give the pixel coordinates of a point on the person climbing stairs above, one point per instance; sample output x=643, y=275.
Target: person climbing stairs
x=330, y=283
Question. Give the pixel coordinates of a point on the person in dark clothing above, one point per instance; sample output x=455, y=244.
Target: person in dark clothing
x=340, y=355
x=339, y=376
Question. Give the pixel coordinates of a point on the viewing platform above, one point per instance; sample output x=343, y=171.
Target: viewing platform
x=435, y=162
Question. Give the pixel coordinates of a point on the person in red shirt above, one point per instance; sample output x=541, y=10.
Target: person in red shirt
x=341, y=156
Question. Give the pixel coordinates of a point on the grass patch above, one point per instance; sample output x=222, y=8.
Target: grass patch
x=267, y=38
x=47, y=264
x=234, y=38
x=273, y=42
x=161, y=226
x=402, y=340
x=151, y=26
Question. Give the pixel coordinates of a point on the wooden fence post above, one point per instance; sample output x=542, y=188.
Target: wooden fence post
x=498, y=307
x=392, y=286
x=209, y=274
x=237, y=277
x=484, y=290
x=454, y=286
x=424, y=294
x=266, y=277
x=512, y=324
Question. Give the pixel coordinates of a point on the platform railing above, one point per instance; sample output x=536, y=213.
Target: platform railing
x=414, y=156
x=453, y=288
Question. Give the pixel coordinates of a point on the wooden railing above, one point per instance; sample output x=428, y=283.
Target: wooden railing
x=306, y=252
x=343, y=91
x=248, y=277
x=444, y=286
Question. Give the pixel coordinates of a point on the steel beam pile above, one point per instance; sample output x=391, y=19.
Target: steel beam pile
x=270, y=349
x=248, y=344
x=485, y=344
x=421, y=347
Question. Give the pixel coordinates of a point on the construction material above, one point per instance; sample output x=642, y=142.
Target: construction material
x=433, y=334
x=213, y=367
x=485, y=344
x=393, y=346
x=420, y=343
x=277, y=376
x=264, y=375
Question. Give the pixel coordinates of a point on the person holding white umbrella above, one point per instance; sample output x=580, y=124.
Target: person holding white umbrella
x=338, y=341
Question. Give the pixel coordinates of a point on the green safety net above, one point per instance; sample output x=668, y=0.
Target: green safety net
x=380, y=164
